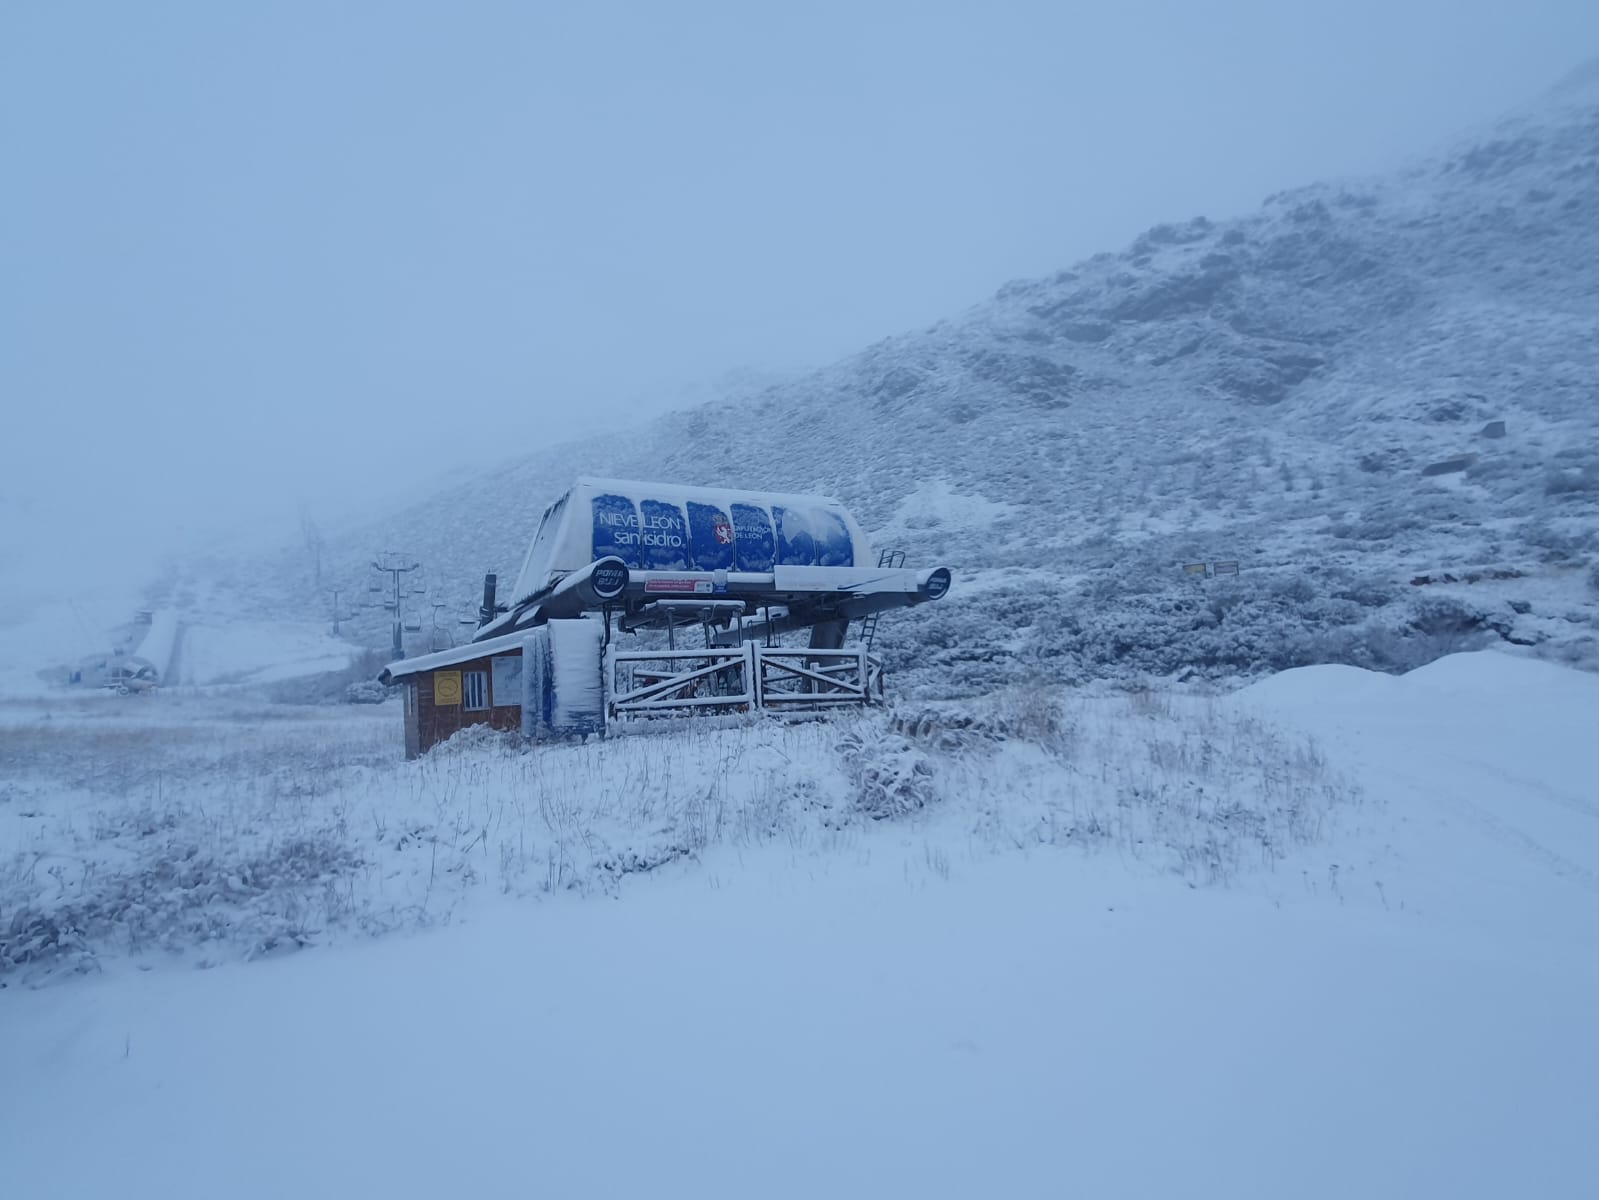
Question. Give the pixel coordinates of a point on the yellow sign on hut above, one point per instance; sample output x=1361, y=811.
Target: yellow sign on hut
x=446, y=687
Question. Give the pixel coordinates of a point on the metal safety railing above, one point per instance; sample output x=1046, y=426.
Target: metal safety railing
x=641, y=684
x=816, y=678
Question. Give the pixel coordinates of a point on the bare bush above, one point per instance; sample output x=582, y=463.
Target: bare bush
x=1034, y=713
x=1145, y=701
x=1183, y=785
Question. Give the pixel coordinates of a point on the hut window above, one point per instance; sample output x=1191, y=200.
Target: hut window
x=475, y=689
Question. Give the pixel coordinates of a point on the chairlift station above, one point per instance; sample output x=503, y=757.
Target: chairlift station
x=732, y=570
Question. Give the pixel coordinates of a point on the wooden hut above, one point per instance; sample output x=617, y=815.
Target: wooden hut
x=476, y=684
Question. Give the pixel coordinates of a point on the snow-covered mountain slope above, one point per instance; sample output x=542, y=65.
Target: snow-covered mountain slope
x=1273, y=389
x=963, y=1000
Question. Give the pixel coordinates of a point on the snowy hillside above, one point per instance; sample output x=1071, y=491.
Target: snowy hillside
x=1272, y=389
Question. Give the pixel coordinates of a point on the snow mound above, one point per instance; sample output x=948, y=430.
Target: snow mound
x=1499, y=678
x=1306, y=688
x=1489, y=678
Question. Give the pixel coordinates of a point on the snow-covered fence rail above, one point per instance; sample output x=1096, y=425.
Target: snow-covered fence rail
x=646, y=683
x=814, y=678
x=652, y=683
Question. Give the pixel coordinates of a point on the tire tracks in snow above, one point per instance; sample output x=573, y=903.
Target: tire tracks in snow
x=1452, y=800
x=1573, y=804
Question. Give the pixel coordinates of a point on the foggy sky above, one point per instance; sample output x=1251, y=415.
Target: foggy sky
x=254, y=256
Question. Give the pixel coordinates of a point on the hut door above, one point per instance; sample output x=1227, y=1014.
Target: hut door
x=413, y=731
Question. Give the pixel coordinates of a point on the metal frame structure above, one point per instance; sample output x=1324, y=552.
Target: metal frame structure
x=645, y=684
x=747, y=565
x=631, y=557
x=806, y=678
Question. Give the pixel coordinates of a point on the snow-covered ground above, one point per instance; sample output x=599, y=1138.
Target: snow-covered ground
x=201, y=649
x=1331, y=936
x=258, y=651
x=58, y=634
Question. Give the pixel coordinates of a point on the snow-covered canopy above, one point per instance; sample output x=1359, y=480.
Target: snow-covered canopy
x=668, y=527
x=406, y=667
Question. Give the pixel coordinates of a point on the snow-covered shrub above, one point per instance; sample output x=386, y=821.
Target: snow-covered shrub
x=950, y=729
x=891, y=777
x=34, y=937
x=1261, y=621
x=1368, y=593
x=1398, y=650
x=1572, y=481
x=172, y=891
x=1033, y=713
x=1559, y=542
x=1580, y=652
x=1381, y=522
x=1448, y=616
